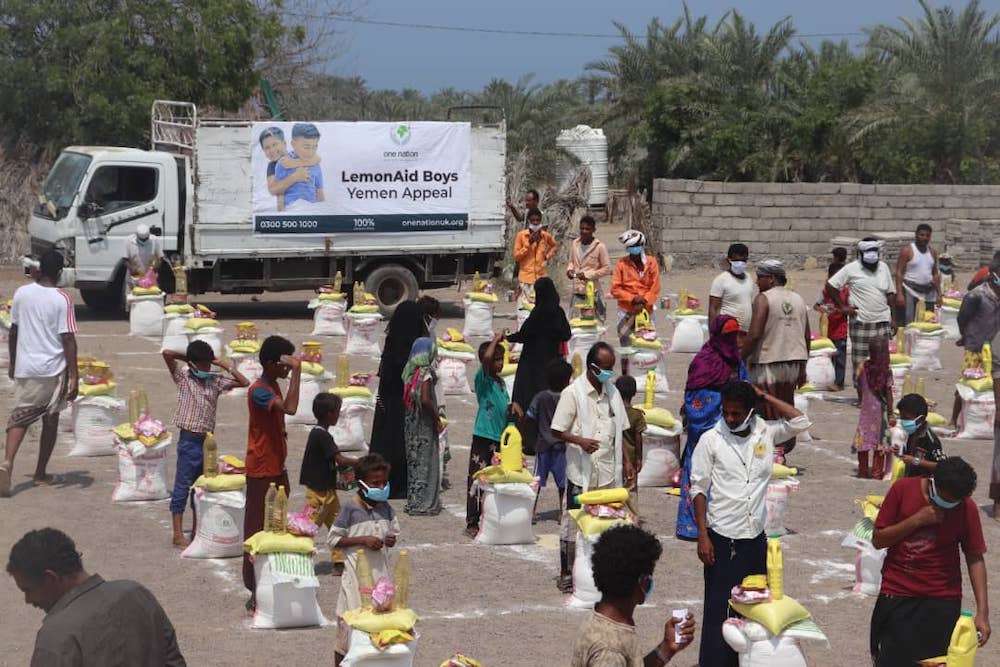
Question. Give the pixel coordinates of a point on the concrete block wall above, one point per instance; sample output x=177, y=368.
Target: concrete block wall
x=697, y=220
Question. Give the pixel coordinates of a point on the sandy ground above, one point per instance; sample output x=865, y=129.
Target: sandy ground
x=498, y=604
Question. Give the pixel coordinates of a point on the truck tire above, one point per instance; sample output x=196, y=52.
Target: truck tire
x=108, y=300
x=392, y=284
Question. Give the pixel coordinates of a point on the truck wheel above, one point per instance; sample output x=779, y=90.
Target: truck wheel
x=108, y=300
x=392, y=284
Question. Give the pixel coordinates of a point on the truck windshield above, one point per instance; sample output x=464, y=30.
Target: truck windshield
x=61, y=185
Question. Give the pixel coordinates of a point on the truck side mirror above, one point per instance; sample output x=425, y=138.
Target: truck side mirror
x=89, y=210
x=156, y=230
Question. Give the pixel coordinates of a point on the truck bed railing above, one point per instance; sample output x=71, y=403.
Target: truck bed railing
x=173, y=127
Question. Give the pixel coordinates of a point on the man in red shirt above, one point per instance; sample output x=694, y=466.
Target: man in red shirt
x=837, y=325
x=923, y=522
x=267, y=442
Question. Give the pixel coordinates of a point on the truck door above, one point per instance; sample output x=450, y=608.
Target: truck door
x=119, y=198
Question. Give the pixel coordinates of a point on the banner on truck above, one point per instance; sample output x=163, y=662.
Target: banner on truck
x=327, y=178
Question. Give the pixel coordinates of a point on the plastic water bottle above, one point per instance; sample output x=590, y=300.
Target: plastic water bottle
x=133, y=406
x=210, y=456
x=272, y=492
x=143, y=403
x=365, y=581
x=401, y=579
x=281, y=510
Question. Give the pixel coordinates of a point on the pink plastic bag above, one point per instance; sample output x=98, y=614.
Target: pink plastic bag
x=301, y=523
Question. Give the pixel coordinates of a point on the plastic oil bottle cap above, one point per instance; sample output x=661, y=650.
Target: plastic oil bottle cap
x=966, y=612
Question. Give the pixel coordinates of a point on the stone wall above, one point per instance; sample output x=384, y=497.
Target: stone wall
x=697, y=220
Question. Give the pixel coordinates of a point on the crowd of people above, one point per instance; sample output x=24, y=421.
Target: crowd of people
x=738, y=409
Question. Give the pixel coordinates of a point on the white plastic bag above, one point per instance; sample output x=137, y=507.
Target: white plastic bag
x=145, y=315
x=802, y=405
x=581, y=340
x=819, y=370
x=506, y=514
x=949, y=320
x=219, y=518
x=211, y=335
x=284, y=601
x=175, y=334
x=688, y=336
x=142, y=471
x=978, y=410
x=93, y=419
x=478, y=319
x=585, y=593
x=867, y=565
x=249, y=367
x=309, y=388
x=925, y=349
x=758, y=648
x=452, y=374
x=776, y=502
x=899, y=373
x=363, y=653
x=659, y=462
x=349, y=431
x=644, y=360
x=363, y=333
x=328, y=317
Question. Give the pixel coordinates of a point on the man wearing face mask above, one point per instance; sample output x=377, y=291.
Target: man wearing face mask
x=732, y=291
x=590, y=418
x=143, y=251
x=533, y=248
x=623, y=562
x=924, y=522
x=922, y=451
x=732, y=465
x=871, y=300
x=635, y=284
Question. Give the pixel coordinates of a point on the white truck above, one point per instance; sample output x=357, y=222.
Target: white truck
x=195, y=190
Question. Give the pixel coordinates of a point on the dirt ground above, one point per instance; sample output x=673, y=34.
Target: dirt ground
x=497, y=604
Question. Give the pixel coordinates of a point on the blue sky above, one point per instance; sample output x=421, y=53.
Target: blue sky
x=394, y=57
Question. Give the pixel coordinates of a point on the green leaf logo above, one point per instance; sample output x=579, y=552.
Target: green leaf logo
x=401, y=134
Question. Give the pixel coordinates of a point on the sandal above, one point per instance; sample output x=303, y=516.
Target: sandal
x=49, y=480
x=565, y=583
x=471, y=531
x=5, y=480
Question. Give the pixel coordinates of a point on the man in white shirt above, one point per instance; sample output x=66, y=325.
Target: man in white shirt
x=143, y=251
x=42, y=364
x=732, y=465
x=732, y=291
x=871, y=299
x=590, y=419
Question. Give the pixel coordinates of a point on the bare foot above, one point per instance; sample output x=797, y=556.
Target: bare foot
x=5, y=480
x=181, y=542
x=48, y=480
x=996, y=512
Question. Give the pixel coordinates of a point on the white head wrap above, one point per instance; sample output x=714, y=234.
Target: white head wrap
x=142, y=232
x=869, y=245
x=631, y=238
x=770, y=267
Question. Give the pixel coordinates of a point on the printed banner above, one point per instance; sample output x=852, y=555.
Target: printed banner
x=326, y=178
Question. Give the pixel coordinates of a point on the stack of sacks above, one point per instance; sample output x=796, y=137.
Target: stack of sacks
x=782, y=483
x=358, y=401
x=899, y=362
x=145, y=310
x=329, y=307
x=286, y=580
x=454, y=354
x=315, y=379
x=761, y=601
x=243, y=353
x=599, y=510
x=382, y=628
x=362, y=321
x=219, y=503
x=509, y=490
x=868, y=559
x=923, y=340
x=819, y=369
x=5, y=336
x=143, y=444
x=948, y=312
x=175, y=334
x=660, y=444
x=646, y=354
x=975, y=388
x=479, y=305
x=202, y=325
x=95, y=411
x=689, y=324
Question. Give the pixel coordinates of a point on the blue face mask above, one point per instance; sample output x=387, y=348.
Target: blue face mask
x=996, y=280
x=376, y=495
x=634, y=250
x=939, y=501
x=200, y=374
x=909, y=425
x=602, y=375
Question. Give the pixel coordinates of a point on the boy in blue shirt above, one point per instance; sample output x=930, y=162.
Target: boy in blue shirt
x=305, y=146
x=550, y=451
x=491, y=419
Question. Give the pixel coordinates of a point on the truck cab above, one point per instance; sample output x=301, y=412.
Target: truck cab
x=92, y=201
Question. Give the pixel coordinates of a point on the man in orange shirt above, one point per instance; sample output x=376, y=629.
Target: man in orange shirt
x=635, y=284
x=533, y=248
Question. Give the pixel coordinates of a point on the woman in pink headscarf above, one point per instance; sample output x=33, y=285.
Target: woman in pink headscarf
x=717, y=363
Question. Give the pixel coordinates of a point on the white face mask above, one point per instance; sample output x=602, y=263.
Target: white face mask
x=534, y=228
x=743, y=426
x=869, y=256
x=737, y=266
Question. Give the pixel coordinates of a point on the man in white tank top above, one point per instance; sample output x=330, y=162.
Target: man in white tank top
x=917, y=274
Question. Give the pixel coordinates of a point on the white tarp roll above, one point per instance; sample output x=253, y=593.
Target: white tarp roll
x=219, y=518
x=328, y=317
x=145, y=315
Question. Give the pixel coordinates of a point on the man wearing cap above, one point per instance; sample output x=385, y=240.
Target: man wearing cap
x=143, y=251
x=777, y=347
x=871, y=300
x=635, y=284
